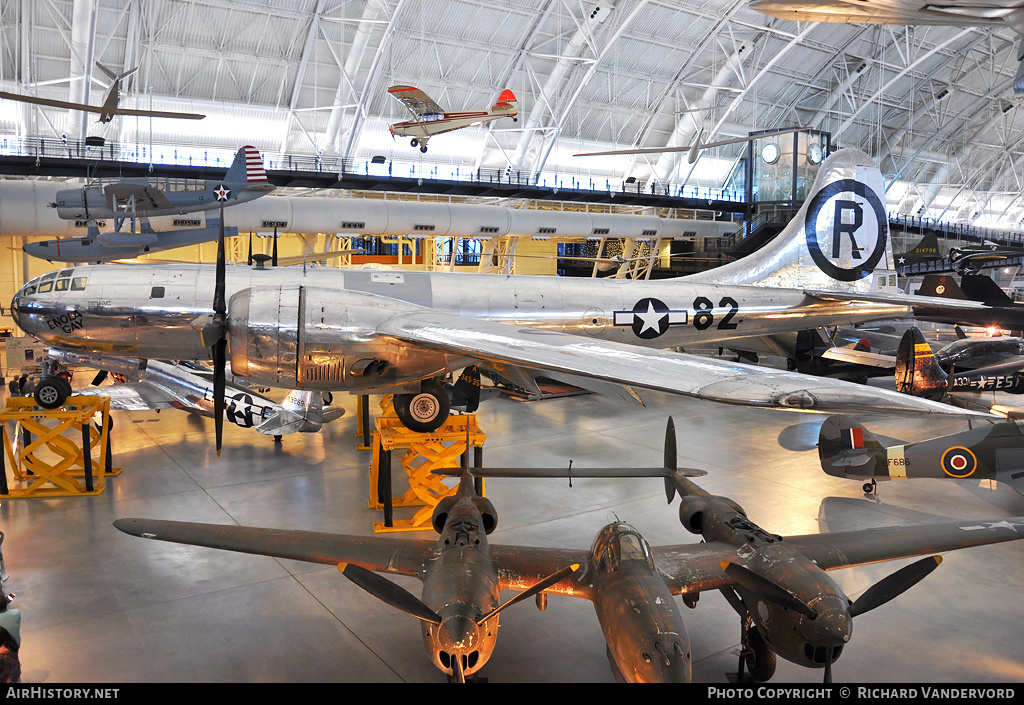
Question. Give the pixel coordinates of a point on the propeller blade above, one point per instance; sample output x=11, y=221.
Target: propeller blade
x=768, y=590
x=98, y=379
x=539, y=587
x=218, y=328
x=458, y=675
x=894, y=585
x=389, y=593
x=273, y=259
x=670, y=459
x=249, y=261
x=828, y=665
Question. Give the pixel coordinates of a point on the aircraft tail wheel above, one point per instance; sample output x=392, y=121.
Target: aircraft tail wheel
x=327, y=398
x=870, y=487
x=423, y=148
x=414, y=141
x=425, y=411
x=51, y=392
x=759, y=656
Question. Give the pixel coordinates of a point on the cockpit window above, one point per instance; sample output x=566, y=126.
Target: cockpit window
x=66, y=272
x=631, y=548
x=45, y=287
x=29, y=290
x=78, y=283
x=47, y=277
x=61, y=285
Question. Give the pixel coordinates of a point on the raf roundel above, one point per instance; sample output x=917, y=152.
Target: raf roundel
x=959, y=462
x=846, y=229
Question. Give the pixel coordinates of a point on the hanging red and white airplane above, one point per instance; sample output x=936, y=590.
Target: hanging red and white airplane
x=429, y=119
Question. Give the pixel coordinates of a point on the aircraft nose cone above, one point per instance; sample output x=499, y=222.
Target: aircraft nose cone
x=14, y=309
x=834, y=626
x=457, y=634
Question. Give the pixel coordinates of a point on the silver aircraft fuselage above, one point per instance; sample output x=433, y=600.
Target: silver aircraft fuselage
x=304, y=330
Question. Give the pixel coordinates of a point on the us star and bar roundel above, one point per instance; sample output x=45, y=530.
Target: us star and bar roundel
x=843, y=239
x=650, y=318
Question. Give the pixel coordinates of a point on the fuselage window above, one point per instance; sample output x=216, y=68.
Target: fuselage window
x=78, y=283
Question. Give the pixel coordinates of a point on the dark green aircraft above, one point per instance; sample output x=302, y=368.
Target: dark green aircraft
x=990, y=450
x=778, y=585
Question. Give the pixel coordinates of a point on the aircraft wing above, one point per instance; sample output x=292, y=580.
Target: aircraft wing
x=969, y=14
x=535, y=350
x=51, y=103
x=136, y=396
x=860, y=357
x=146, y=197
x=416, y=101
x=697, y=567
x=912, y=300
x=703, y=145
x=158, y=114
x=381, y=553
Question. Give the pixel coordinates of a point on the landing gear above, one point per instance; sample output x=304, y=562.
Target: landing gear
x=414, y=142
x=871, y=487
x=423, y=148
x=52, y=392
x=425, y=411
x=757, y=654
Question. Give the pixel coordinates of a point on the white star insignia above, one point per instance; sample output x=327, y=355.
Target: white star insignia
x=652, y=319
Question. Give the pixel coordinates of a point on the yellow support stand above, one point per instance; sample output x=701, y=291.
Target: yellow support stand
x=424, y=453
x=47, y=459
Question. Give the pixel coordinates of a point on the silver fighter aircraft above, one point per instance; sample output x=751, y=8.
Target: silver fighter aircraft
x=404, y=332
x=157, y=384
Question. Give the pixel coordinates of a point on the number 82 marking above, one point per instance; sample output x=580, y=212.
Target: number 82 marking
x=704, y=317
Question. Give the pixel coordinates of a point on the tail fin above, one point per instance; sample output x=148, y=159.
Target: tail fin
x=506, y=100
x=847, y=449
x=917, y=371
x=839, y=239
x=301, y=412
x=927, y=249
x=247, y=168
x=978, y=287
x=941, y=285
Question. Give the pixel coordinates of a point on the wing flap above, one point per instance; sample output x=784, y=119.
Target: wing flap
x=501, y=344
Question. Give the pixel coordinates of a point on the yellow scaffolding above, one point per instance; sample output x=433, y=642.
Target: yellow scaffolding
x=50, y=461
x=424, y=453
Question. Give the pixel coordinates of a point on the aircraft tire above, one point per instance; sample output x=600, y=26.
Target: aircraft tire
x=423, y=148
x=425, y=411
x=759, y=656
x=414, y=142
x=51, y=393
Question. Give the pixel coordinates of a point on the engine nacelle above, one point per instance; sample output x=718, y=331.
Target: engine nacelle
x=296, y=337
x=700, y=515
x=488, y=514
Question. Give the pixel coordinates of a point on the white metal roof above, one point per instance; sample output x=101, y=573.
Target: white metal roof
x=934, y=105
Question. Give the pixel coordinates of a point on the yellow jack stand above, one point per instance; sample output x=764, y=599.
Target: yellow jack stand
x=29, y=463
x=425, y=452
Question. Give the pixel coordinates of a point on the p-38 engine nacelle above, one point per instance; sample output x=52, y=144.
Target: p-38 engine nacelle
x=699, y=514
x=296, y=337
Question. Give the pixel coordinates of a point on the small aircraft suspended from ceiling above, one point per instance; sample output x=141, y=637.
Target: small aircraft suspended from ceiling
x=430, y=119
x=109, y=107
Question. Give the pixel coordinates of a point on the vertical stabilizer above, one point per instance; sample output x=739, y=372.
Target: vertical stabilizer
x=918, y=373
x=247, y=167
x=839, y=239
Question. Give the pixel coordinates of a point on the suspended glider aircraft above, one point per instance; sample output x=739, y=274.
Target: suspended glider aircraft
x=693, y=150
x=157, y=384
x=135, y=201
x=779, y=586
x=429, y=119
x=987, y=13
x=109, y=107
x=403, y=332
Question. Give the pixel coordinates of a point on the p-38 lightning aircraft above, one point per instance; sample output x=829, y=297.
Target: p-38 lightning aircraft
x=430, y=119
x=135, y=200
x=108, y=108
x=158, y=384
x=800, y=610
x=404, y=332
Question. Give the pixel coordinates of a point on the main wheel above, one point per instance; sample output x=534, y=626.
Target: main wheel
x=423, y=148
x=414, y=141
x=425, y=411
x=759, y=656
x=51, y=392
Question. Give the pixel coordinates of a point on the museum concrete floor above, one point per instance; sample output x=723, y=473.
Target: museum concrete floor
x=103, y=607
